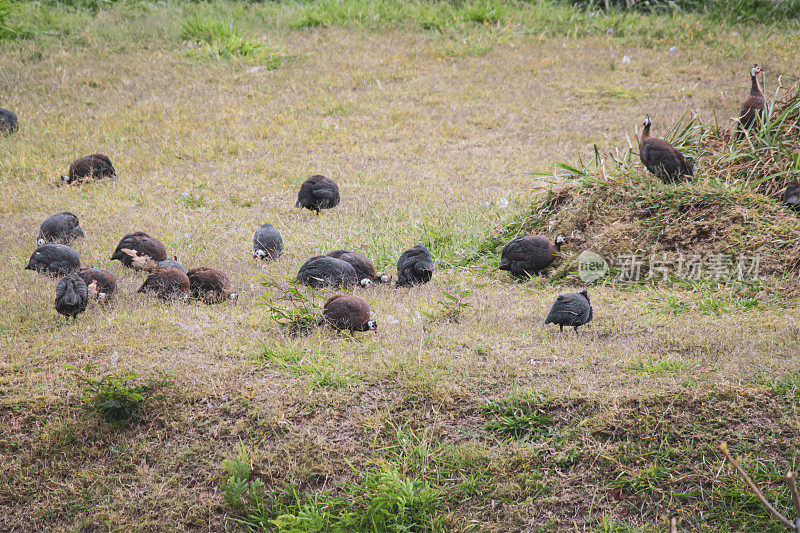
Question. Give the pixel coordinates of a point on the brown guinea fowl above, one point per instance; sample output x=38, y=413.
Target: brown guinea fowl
x=71, y=296
x=210, y=285
x=140, y=251
x=661, y=158
x=365, y=270
x=89, y=167
x=167, y=283
x=347, y=312
x=753, y=106
x=101, y=283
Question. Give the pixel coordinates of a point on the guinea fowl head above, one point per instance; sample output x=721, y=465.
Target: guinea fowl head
x=756, y=70
x=372, y=326
x=366, y=283
x=40, y=241
x=258, y=254
x=647, y=122
x=233, y=296
x=560, y=240
x=585, y=294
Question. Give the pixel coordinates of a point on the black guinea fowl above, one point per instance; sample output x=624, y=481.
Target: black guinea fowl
x=753, y=106
x=661, y=158
x=791, y=195
x=72, y=296
x=318, y=192
x=95, y=166
x=346, y=312
x=267, y=243
x=62, y=228
x=140, y=251
x=210, y=285
x=102, y=283
x=167, y=283
x=54, y=259
x=415, y=266
x=325, y=271
x=572, y=310
x=530, y=254
x=174, y=263
x=8, y=121
x=365, y=270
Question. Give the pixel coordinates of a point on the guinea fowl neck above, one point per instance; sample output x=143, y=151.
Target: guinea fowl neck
x=755, y=90
x=646, y=132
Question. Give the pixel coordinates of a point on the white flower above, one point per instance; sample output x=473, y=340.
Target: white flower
x=626, y=59
x=502, y=203
x=673, y=49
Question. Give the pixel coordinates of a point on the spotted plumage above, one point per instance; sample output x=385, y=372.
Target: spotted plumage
x=365, y=270
x=54, y=259
x=101, y=283
x=72, y=296
x=528, y=255
x=267, y=243
x=167, y=283
x=346, y=312
x=754, y=105
x=90, y=167
x=415, y=266
x=325, y=271
x=663, y=159
x=572, y=310
x=140, y=251
x=61, y=228
x=8, y=121
x=210, y=285
x=318, y=192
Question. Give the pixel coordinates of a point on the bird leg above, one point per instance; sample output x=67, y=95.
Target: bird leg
x=576, y=330
x=561, y=328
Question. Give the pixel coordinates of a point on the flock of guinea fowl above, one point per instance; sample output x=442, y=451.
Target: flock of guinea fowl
x=522, y=256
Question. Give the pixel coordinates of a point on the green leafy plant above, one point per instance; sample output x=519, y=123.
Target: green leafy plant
x=450, y=306
x=295, y=308
x=224, y=39
x=239, y=490
x=519, y=417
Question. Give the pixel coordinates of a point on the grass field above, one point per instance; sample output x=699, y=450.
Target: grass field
x=455, y=416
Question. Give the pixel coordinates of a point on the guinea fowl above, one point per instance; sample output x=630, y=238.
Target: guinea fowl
x=661, y=158
x=572, y=310
x=54, y=259
x=140, y=251
x=72, y=296
x=753, y=106
x=791, y=195
x=61, y=227
x=267, y=243
x=323, y=271
x=318, y=192
x=95, y=166
x=167, y=283
x=415, y=266
x=210, y=285
x=8, y=121
x=102, y=283
x=365, y=270
x=347, y=312
x=528, y=255
x=174, y=263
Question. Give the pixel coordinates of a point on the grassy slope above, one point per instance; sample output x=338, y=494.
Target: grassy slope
x=420, y=127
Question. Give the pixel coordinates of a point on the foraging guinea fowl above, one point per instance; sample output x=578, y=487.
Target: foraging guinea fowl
x=140, y=251
x=210, y=285
x=322, y=271
x=89, y=167
x=365, y=270
x=347, y=312
x=61, y=227
x=167, y=283
x=791, y=195
x=72, y=296
x=54, y=259
x=754, y=104
x=414, y=266
x=174, y=263
x=267, y=242
x=8, y=121
x=572, y=310
x=102, y=283
x=529, y=255
x=318, y=192
x=661, y=158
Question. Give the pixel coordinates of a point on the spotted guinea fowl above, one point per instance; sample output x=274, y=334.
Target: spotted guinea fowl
x=318, y=192
x=72, y=296
x=101, y=283
x=324, y=271
x=267, y=243
x=8, y=121
x=415, y=266
x=347, y=312
x=753, y=106
x=572, y=310
x=661, y=158
x=140, y=251
x=54, y=259
x=365, y=270
x=95, y=166
x=61, y=227
x=528, y=255
x=167, y=283
x=174, y=263
x=210, y=285
x=791, y=195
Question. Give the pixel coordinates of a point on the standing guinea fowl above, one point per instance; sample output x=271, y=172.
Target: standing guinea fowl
x=167, y=283
x=529, y=255
x=267, y=243
x=102, y=283
x=54, y=259
x=95, y=166
x=347, y=312
x=140, y=251
x=753, y=106
x=791, y=195
x=8, y=121
x=415, y=266
x=210, y=285
x=572, y=310
x=661, y=158
x=72, y=296
x=61, y=227
x=365, y=270
x=318, y=192
x=323, y=271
